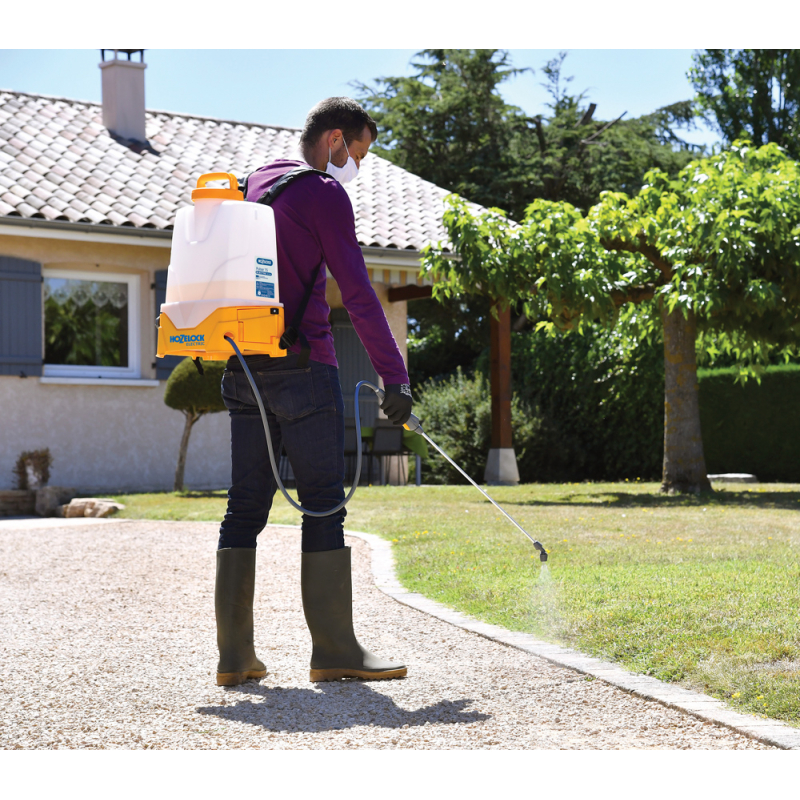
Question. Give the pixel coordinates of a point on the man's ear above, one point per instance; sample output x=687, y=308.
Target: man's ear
x=334, y=137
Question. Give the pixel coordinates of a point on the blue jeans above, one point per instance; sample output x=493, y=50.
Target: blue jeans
x=305, y=412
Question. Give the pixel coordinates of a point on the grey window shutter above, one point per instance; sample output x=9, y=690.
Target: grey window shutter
x=21, y=346
x=354, y=366
x=164, y=366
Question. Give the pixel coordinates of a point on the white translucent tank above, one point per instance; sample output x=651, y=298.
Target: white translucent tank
x=224, y=253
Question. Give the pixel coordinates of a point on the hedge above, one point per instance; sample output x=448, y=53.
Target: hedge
x=583, y=412
x=752, y=428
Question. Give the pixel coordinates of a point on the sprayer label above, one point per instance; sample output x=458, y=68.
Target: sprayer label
x=263, y=268
x=264, y=286
x=264, y=289
x=191, y=341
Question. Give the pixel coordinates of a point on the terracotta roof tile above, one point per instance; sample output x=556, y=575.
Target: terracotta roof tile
x=57, y=161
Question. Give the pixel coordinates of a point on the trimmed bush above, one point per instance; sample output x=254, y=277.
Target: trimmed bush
x=189, y=391
x=194, y=395
x=752, y=427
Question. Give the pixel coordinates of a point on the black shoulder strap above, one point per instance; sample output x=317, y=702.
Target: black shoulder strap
x=288, y=177
x=292, y=175
x=293, y=332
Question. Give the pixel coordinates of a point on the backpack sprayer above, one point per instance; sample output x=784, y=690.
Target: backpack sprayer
x=223, y=294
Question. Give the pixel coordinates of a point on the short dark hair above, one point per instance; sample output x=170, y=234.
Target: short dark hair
x=337, y=112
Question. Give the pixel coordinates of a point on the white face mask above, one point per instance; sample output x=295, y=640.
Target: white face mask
x=342, y=174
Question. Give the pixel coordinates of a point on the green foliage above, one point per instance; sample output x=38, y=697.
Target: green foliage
x=458, y=414
x=192, y=393
x=750, y=94
x=570, y=156
x=584, y=408
x=752, y=428
x=449, y=125
x=600, y=405
x=721, y=239
x=444, y=336
x=726, y=237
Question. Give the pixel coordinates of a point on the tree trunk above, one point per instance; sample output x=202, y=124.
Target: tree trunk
x=191, y=418
x=684, y=462
x=501, y=464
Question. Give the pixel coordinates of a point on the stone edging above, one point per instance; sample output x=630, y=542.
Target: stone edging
x=698, y=705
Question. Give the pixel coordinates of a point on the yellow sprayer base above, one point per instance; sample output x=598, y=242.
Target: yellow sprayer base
x=255, y=329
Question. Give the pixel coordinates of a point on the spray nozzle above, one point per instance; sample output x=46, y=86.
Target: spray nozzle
x=542, y=552
x=413, y=424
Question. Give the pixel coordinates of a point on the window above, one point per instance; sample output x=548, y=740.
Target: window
x=90, y=324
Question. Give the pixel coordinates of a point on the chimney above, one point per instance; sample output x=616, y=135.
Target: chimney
x=123, y=94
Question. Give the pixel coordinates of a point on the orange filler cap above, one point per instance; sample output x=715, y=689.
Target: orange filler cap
x=203, y=192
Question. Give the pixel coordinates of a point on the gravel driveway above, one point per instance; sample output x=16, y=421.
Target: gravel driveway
x=108, y=641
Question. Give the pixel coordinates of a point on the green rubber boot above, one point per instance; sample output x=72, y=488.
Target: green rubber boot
x=327, y=589
x=233, y=604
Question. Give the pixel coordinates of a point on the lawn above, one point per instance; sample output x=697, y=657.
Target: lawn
x=702, y=590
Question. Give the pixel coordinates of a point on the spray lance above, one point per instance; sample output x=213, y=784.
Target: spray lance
x=218, y=297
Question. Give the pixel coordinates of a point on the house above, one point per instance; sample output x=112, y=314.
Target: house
x=88, y=195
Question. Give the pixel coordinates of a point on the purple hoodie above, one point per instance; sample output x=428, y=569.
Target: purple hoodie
x=314, y=220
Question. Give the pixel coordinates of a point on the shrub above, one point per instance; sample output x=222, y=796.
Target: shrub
x=457, y=414
x=32, y=470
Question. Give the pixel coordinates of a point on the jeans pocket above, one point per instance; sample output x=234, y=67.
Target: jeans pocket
x=229, y=396
x=289, y=393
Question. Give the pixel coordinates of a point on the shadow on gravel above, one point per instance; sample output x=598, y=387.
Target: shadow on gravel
x=331, y=707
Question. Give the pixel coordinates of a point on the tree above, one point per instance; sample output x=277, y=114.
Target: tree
x=750, y=94
x=444, y=336
x=449, y=124
x=571, y=156
x=194, y=395
x=712, y=256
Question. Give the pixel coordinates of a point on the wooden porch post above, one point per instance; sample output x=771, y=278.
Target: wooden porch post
x=501, y=465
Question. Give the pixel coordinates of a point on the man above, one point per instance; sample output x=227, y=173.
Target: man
x=315, y=228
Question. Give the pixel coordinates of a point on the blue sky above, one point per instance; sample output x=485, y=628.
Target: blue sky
x=279, y=86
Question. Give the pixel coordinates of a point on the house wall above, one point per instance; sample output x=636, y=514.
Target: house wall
x=106, y=438
x=109, y=438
